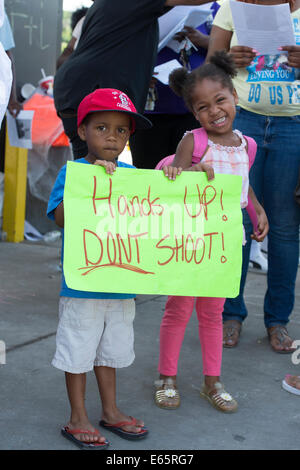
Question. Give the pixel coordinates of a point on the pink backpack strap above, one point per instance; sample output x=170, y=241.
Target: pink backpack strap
x=167, y=161
x=252, y=147
x=200, y=144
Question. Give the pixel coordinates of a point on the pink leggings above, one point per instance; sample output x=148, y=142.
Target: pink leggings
x=178, y=311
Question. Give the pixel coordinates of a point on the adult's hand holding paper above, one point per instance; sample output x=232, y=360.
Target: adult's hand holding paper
x=263, y=27
x=175, y=20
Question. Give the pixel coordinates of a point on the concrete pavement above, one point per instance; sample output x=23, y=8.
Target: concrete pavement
x=33, y=398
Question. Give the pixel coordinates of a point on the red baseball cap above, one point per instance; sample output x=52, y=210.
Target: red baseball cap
x=109, y=99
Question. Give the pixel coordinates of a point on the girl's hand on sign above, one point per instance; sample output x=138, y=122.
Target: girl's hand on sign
x=171, y=172
x=110, y=167
x=205, y=168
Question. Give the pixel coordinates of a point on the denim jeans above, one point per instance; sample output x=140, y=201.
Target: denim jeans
x=273, y=177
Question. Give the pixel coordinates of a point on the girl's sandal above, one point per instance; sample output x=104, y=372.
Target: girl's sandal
x=291, y=383
x=166, y=394
x=219, y=398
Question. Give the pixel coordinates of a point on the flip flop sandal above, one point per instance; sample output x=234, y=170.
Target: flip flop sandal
x=117, y=429
x=69, y=434
x=231, y=333
x=166, y=396
x=219, y=398
x=281, y=334
x=290, y=388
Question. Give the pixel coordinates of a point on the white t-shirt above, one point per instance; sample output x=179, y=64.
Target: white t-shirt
x=6, y=35
x=77, y=31
x=267, y=86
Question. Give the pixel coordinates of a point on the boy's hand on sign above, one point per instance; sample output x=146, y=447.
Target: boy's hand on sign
x=171, y=172
x=110, y=167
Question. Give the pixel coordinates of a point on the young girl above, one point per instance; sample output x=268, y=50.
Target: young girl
x=209, y=93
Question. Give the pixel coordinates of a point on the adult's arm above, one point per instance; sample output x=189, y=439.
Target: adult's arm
x=196, y=37
x=59, y=215
x=14, y=107
x=66, y=52
x=71, y=44
x=220, y=39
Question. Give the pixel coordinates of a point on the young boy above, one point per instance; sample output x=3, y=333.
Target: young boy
x=95, y=329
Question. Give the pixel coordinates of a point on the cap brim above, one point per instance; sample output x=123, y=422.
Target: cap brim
x=141, y=122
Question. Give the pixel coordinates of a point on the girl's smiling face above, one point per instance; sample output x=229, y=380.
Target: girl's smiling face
x=214, y=107
x=106, y=134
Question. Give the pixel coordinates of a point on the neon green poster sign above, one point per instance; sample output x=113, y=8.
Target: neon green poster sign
x=137, y=232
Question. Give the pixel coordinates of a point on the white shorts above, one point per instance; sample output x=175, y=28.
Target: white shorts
x=94, y=332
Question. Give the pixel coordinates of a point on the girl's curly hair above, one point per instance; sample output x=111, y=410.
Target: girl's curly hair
x=221, y=68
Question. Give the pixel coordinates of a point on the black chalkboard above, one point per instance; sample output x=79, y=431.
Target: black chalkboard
x=37, y=27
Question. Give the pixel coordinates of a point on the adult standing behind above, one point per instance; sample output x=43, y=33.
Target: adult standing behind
x=117, y=49
x=167, y=112
x=14, y=107
x=8, y=43
x=5, y=71
x=77, y=20
x=269, y=111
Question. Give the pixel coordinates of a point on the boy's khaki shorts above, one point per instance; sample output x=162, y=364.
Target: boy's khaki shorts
x=94, y=332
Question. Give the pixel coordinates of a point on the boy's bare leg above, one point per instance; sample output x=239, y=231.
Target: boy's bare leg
x=106, y=379
x=79, y=420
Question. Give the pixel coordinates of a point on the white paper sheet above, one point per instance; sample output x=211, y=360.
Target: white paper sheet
x=175, y=20
x=20, y=129
x=263, y=27
x=163, y=71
